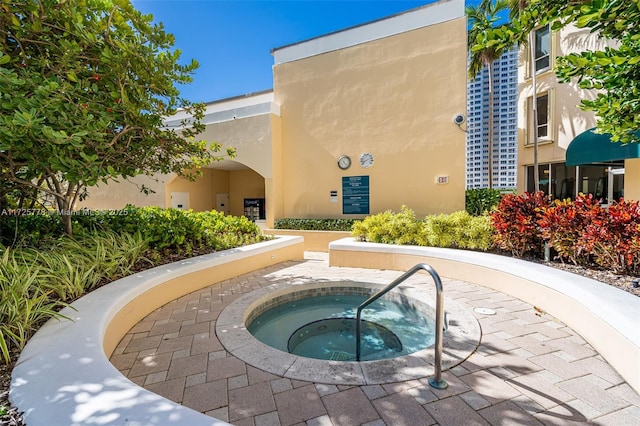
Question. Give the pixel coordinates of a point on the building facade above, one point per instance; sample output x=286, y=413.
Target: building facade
x=359, y=121
x=505, y=125
x=571, y=158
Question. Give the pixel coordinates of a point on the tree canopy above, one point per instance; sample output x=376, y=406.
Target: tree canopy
x=84, y=88
x=482, y=18
x=614, y=71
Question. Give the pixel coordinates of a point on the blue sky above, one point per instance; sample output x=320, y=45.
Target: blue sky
x=232, y=39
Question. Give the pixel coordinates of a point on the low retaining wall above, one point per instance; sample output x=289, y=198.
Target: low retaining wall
x=313, y=240
x=64, y=376
x=604, y=316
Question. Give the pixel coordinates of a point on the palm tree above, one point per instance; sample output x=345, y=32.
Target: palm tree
x=482, y=18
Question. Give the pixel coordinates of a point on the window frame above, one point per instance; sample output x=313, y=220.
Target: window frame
x=550, y=136
x=551, y=55
x=546, y=123
x=546, y=56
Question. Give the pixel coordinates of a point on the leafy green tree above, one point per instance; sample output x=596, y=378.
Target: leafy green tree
x=84, y=88
x=614, y=71
x=483, y=18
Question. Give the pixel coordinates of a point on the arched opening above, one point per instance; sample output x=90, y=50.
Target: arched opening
x=227, y=186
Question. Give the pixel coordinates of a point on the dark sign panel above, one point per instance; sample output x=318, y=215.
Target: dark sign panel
x=355, y=195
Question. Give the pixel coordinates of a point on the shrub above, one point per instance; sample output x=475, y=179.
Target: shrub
x=458, y=230
x=390, y=228
x=224, y=232
x=35, y=283
x=478, y=201
x=176, y=229
x=315, y=224
x=163, y=229
x=612, y=236
x=563, y=224
x=582, y=231
x=635, y=248
x=29, y=229
x=24, y=304
x=516, y=223
x=105, y=256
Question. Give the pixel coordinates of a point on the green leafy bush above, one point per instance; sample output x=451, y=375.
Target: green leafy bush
x=478, y=201
x=458, y=230
x=315, y=224
x=24, y=304
x=177, y=229
x=36, y=282
x=28, y=229
x=390, y=228
x=223, y=232
x=163, y=229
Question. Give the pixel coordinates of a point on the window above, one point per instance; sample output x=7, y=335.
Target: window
x=544, y=172
x=594, y=179
x=542, y=48
x=556, y=179
x=563, y=181
x=559, y=180
x=542, y=106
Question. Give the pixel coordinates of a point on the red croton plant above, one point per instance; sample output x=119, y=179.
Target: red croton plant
x=579, y=231
x=516, y=223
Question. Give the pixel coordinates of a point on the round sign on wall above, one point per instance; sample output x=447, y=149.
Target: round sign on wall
x=366, y=160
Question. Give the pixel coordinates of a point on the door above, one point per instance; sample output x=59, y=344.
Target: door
x=222, y=203
x=180, y=200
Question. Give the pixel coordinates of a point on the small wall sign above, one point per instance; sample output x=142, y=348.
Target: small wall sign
x=355, y=195
x=442, y=180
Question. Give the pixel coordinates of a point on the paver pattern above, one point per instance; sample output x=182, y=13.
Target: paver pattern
x=530, y=369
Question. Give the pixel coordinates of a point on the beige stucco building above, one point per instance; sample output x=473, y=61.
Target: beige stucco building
x=593, y=164
x=359, y=121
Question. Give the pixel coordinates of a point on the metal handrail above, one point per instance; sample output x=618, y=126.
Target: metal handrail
x=437, y=381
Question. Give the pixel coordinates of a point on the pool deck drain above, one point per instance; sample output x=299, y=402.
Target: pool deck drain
x=484, y=311
x=529, y=368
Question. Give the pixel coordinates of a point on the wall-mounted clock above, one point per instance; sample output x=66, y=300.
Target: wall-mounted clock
x=344, y=162
x=366, y=160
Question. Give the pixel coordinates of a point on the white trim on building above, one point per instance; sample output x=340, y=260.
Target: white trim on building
x=424, y=16
x=234, y=108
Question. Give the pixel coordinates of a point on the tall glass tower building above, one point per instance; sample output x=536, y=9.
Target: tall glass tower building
x=505, y=125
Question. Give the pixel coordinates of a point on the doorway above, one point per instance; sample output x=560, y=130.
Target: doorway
x=180, y=200
x=222, y=203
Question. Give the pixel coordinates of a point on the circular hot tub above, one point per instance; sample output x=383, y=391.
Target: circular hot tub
x=323, y=326
x=335, y=339
x=307, y=332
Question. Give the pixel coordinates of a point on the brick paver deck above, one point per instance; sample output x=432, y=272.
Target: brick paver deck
x=530, y=369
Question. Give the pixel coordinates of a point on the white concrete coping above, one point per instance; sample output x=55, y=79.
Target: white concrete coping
x=607, y=317
x=64, y=377
x=460, y=340
x=423, y=16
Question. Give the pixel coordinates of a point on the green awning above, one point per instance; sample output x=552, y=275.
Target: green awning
x=589, y=148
